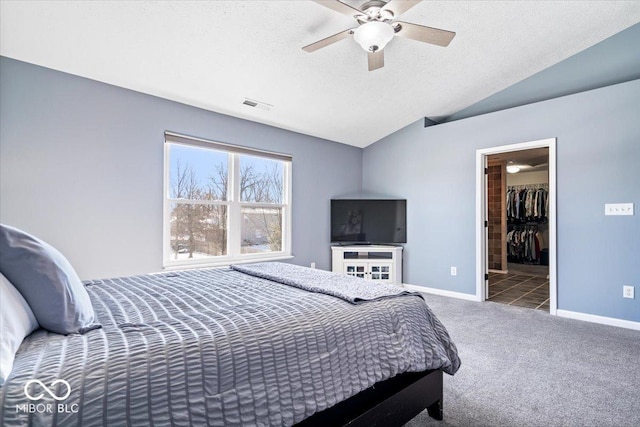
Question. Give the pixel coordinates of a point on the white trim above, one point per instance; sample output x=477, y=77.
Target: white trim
x=222, y=264
x=166, y=226
x=287, y=223
x=481, y=249
x=491, y=270
x=234, y=216
x=442, y=292
x=611, y=321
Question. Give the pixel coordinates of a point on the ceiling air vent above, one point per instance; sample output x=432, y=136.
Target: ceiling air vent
x=257, y=104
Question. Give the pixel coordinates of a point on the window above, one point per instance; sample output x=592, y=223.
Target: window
x=224, y=203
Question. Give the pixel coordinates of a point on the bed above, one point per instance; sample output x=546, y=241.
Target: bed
x=229, y=347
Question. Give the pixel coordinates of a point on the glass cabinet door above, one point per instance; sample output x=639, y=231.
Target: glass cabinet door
x=380, y=271
x=356, y=269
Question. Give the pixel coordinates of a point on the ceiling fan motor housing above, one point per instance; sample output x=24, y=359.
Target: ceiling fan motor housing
x=373, y=12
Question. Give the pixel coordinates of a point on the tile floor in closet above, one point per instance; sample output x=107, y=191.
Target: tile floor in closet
x=523, y=286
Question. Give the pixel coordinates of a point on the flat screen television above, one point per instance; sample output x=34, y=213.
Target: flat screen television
x=369, y=221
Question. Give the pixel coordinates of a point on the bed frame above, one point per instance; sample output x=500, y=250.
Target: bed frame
x=388, y=403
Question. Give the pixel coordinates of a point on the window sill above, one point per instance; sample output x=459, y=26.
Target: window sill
x=226, y=263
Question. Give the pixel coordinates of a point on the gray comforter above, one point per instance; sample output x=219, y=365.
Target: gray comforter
x=348, y=288
x=217, y=347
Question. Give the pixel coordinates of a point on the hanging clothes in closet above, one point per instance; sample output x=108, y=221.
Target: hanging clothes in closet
x=526, y=203
x=527, y=208
x=524, y=244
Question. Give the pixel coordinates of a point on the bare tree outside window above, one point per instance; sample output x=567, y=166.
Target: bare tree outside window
x=200, y=202
x=261, y=184
x=186, y=219
x=198, y=225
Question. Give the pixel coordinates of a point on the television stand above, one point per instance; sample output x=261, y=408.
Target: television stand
x=372, y=262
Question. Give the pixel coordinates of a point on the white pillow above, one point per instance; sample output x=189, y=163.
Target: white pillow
x=16, y=322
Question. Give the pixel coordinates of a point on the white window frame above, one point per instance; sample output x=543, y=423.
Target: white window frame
x=235, y=205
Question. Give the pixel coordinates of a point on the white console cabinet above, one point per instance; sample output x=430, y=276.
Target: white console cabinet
x=377, y=263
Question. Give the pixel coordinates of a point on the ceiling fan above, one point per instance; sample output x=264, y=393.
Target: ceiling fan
x=376, y=27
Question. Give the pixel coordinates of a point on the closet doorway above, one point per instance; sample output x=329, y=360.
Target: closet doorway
x=516, y=237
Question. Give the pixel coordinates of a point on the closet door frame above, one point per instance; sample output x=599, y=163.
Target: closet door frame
x=481, y=215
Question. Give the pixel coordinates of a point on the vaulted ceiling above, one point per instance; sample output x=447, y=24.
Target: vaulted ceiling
x=215, y=54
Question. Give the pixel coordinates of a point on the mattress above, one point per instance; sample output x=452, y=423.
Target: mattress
x=217, y=347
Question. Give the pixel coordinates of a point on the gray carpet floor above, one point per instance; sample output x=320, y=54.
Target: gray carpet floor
x=523, y=367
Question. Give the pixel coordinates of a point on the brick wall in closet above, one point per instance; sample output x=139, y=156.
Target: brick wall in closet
x=496, y=188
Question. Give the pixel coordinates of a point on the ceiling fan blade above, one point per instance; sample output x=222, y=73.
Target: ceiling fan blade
x=329, y=40
x=424, y=34
x=340, y=7
x=398, y=7
x=376, y=59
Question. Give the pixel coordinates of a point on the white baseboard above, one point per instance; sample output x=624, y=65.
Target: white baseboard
x=442, y=292
x=611, y=321
x=491, y=270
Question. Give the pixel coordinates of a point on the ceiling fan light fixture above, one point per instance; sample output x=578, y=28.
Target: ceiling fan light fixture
x=374, y=35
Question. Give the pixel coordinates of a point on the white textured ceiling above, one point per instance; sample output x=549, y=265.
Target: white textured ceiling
x=214, y=54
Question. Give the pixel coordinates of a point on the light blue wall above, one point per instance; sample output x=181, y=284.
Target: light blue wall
x=598, y=162
x=81, y=165
x=612, y=61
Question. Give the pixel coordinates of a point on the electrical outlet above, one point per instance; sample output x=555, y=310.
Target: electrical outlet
x=454, y=271
x=628, y=292
x=313, y=265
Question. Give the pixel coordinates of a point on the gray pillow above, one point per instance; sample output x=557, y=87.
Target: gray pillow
x=47, y=281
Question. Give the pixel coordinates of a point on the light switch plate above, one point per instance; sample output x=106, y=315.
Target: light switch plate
x=618, y=209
